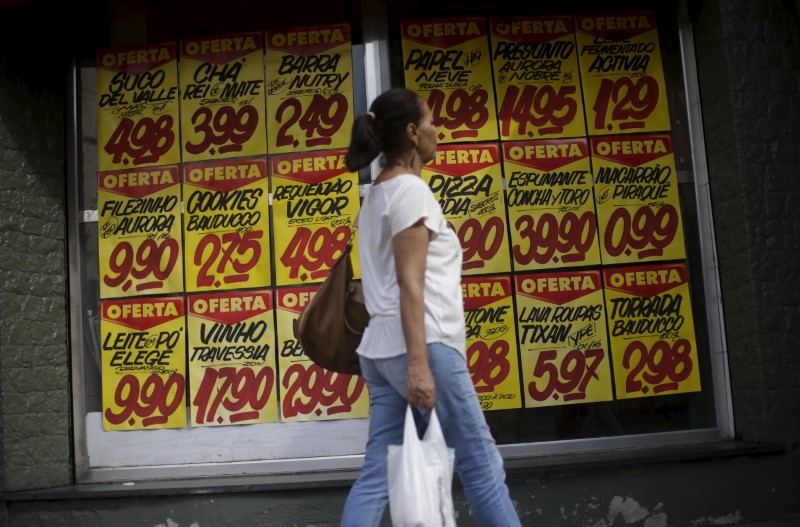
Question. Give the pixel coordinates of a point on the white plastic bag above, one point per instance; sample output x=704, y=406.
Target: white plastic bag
x=421, y=477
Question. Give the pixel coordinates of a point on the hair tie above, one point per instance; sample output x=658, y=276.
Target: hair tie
x=372, y=115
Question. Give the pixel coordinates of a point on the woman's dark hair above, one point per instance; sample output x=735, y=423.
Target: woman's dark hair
x=383, y=129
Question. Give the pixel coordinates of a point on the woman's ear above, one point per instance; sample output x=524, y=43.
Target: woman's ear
x=413, y=133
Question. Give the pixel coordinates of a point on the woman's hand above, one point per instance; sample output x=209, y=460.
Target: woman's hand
x=420, y=386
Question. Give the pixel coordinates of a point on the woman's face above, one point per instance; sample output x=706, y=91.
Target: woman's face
x=427, y=134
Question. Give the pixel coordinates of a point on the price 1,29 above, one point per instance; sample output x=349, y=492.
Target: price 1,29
x=154, y=400
x=320, y=121
x=227, y=258
x=625, y=101
x=546, y=109
x=567, y=380
x=144, y=141
x=648, y=227
x=571, y=237
x=151, y=258
x=661, y=367
x=488, y=364
x=312, y=389
x=315, y=251
x=226, y=128
x=242, y=392
x=458, y=109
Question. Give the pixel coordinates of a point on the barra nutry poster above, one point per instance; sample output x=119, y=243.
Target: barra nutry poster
x=315, y=201
x=143, y=354
x=492, y=341
x=638, y=207
x=651, y=325
x=535, y=62
x=226, y=224
x=562, y=335
x=622, y=73
x=467, y=181
x=222, y=96
x=139, y=227
x=307, y=391
x=447, y=62
x=309, y=88
x=232, y=359
x=137, y=100
x=550, y=204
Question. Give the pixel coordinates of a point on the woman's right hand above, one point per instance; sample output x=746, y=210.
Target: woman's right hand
x=420, y=386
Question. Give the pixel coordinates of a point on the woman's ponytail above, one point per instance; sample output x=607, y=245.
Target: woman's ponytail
x=365, y=145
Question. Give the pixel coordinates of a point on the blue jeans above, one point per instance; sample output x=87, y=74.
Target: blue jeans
x=478, y=463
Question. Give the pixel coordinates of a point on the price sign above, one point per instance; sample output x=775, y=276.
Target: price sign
x=562, y=334
x=638, y=207
x=137, y=101
x=139, y=249
x=650, y=321
x=621, y=73
x=308, y=392
x=467, y=182
x=226, y=224
x=222, y=87
x=550, y=204
x=143, y=348
x=492, y=341
x=310, y=89
x=447, y=62
x=232, y=359
x=535, y=65
x=315, y=201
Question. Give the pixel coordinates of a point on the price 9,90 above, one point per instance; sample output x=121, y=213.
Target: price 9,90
x=154, y=400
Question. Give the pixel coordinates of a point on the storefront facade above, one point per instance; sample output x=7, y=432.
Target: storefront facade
x=621, y=179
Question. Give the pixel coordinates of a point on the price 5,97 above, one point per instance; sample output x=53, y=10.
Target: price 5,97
x=567, y=380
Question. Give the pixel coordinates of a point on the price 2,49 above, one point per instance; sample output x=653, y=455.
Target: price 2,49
x=320, y=121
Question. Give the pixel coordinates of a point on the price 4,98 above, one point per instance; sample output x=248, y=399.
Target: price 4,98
x=315, y=251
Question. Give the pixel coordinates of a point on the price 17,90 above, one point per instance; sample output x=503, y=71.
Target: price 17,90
x=241, y=392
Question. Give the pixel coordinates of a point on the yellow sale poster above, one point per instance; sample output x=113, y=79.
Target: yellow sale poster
x=232, y=358
x=446, y=61
x=222, y=96
x=650, y=321
x=535, y=62
x=467, y=181
x=564, y=349
x=137, y=101
x=139, y=232
x=143, y=353
x=550, y=204
x=638, y=207
x=226, y=224
x=315, y=201
x=621, y=72
x=309, y=88
x=492, y=341
x=307, y=391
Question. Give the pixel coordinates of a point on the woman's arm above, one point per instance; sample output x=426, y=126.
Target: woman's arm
x=410, y=254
